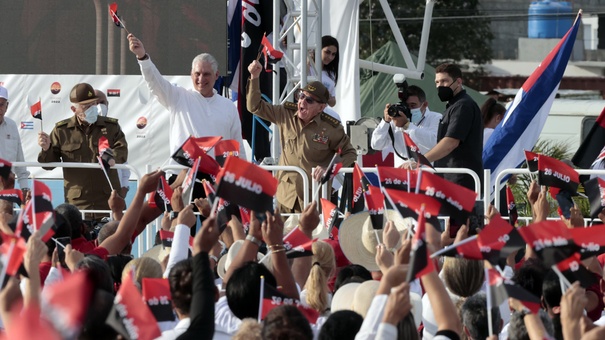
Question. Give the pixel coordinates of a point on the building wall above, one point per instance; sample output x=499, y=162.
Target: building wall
x=511, y=22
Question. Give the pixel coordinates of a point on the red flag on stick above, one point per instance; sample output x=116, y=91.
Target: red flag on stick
x=113, y=14
x=272, y=56
x=420, y=260
x=246, y=184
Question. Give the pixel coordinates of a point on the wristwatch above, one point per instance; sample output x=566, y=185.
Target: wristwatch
x=173, y=215
x=145, y=57
x=254, y=240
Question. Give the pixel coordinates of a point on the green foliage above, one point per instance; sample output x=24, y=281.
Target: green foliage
x=456, y=32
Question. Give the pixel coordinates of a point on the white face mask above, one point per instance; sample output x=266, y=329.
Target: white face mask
x=416, y=115
x=91, y=114
x=102, y=110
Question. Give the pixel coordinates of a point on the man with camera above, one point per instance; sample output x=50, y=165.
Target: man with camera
x=412, y=117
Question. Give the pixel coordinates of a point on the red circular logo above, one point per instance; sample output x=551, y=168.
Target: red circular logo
x=55, y=88
x=141, y=123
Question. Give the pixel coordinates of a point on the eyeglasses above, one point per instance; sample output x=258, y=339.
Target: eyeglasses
x=308, y=99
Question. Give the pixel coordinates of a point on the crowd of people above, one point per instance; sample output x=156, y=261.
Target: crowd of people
x=240, y=280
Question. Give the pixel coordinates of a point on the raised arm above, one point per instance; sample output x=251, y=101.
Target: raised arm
x=120, y=239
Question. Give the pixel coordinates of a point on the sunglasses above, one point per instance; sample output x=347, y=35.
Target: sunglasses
x=308, y=99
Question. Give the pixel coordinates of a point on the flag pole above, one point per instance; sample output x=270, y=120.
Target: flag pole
x=408, y=171
x=488, y=294
x=105, y=172
x=41, y=125
x=562, y=279
x=114, y=15
x=260, y=299
x=33, y=206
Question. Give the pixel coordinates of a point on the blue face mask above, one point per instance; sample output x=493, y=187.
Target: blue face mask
x=91, y=114
x=416, y=115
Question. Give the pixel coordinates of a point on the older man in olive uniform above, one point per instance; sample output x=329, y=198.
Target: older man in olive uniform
x=76, y=139
x=309, y=137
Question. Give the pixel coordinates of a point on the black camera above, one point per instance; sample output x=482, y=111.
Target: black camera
x=402, y=93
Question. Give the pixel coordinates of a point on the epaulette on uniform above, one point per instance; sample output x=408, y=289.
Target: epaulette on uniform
x=63, y=122
x=291, y=106
x=331, y=120
x=111, y=120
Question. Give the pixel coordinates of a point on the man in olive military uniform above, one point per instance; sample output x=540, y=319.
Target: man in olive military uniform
x=76, y=139
x=309, y=137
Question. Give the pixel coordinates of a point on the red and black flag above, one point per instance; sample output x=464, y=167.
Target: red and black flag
x=162, y=195
x=156, y=293
x=272, y=298
x=207, y=143
x=14, y=196
x=113, y=14
x=554, y=173
x=105, y=152
x=495, y=294
x=131, y=317
x=467, y=249
x=414, y=151
x=224, y=149
x=271, y=55
x=573, y=270
x=5, y=168
x=224, y=211
x=38, y=213
x=456, y=200
x=209, y=190
x=329, y=212
x=247, y=185
x=295, y=238
x=244, y=215
x=360, y=185
x=303, y=250
x=513, y=215
x=190, y=151
x=420, y=260
x=409, y=204
x=166, y=238
x=35, y=108
x=59, y=307
x=532, y=160
x=591, y=145
x=595, y=190
x=189, y=182
x=332, y=169
x=500, y=289
x=590, y=240
x=12, y=250
x=397, y=178
x=551, y=240
x=375, y=201
x=502, y=236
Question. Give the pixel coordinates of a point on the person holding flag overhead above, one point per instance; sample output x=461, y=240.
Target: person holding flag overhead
x=309, y=137
x=10, y=145
x=76, y=139
x=200, y=112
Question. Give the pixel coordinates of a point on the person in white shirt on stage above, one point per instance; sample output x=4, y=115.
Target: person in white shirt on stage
x=199, y=112
x=11, y=148
x=422, y=128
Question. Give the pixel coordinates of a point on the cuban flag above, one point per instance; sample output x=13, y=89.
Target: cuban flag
x=525, y=117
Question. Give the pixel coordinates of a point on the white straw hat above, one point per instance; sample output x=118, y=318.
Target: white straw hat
x=358, y=239
x=225, y=261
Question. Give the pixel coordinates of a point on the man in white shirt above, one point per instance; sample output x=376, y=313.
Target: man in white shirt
x=422, y=128
x=199, y=112
x=10, y=142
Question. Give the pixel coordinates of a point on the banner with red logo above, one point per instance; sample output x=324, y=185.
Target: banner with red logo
x=554, y=173
x=156, y=293
x=456, y=200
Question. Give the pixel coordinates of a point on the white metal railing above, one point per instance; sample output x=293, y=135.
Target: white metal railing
x=436, y=170
x=526, y=171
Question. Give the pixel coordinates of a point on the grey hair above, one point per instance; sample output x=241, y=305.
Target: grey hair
x=205, y=57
